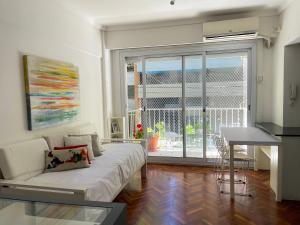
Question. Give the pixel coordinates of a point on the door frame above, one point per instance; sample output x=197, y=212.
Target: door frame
x=203, y=49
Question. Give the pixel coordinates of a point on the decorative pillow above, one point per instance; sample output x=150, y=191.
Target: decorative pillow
x=57, y=160
x=54, y=141
x=73, y=147
x=97, y=149
x=82, y=140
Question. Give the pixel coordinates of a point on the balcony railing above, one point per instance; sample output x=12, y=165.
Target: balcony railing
x=171, y=118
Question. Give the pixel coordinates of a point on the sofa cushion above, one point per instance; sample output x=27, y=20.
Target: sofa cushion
x=97, y=148
x=23, y=160
x=55, y=141
x=82, y=140
x=68, y=159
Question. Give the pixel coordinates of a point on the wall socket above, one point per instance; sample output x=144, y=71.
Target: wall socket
x=260, y=79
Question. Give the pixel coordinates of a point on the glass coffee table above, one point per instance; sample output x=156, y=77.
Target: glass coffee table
x=36, y=211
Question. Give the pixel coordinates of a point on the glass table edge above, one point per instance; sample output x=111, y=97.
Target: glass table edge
x=118, y=210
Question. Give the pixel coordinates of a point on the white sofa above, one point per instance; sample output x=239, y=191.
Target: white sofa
x=22, y=166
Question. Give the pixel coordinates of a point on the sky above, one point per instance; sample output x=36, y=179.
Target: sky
x=191, y=63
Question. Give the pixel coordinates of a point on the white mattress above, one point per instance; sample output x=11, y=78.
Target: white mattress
x=106, y=176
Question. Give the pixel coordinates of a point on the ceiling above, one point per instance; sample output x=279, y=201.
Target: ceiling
x=118, y=12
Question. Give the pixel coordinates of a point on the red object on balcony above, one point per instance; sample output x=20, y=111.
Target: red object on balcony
x=153, y=143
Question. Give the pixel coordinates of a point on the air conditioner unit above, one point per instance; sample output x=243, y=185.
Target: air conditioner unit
x=237, y=29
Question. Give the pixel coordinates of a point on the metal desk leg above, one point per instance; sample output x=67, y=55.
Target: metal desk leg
x=231, y=168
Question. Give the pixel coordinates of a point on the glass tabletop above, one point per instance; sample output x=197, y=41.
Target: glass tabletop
x=16, y=212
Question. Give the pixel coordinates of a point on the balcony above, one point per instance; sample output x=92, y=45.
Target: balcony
x=167, y=124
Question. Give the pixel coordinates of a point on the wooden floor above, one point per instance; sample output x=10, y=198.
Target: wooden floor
x=175, y=195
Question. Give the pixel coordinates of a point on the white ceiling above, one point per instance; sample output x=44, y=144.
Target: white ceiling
x=116, y=12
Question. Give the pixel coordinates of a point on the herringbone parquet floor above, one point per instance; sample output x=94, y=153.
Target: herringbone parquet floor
x=177, y=195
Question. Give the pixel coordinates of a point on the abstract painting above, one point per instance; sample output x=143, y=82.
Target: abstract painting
x=52, y=92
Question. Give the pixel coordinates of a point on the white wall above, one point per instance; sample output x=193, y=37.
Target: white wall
x=156, y=36
x=291, y=112
x=264, y=64
x=178, y=34
x=46, y=29
x=107, y=90
x=290, y=32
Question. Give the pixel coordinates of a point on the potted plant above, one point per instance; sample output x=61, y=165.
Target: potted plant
x=153, y=137
x=138, y=132
x=153, y=140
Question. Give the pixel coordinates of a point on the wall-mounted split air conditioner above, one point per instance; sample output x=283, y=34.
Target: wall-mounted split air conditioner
x=237, y=29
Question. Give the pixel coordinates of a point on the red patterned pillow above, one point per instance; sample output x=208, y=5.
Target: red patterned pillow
x=73, y=147
x=57, y=160
x=69, y=147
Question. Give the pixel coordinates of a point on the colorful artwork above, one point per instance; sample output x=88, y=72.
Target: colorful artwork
x=52, y=92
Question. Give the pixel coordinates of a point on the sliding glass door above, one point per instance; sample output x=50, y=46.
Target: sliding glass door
x=194, y=106
x=226, y=94
x=180, y=102
x=135, y=99
x=163, y=94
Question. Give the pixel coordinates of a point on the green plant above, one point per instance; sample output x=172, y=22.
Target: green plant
x=190, y=130
x=160, y=126
x=198, y=126
x=150, y=132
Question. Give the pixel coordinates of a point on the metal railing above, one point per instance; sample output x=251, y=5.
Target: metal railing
x=171, y=118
